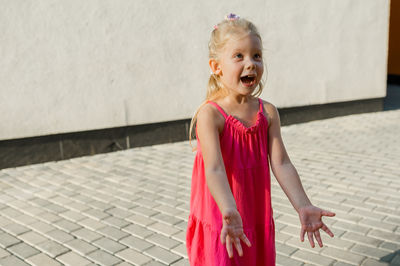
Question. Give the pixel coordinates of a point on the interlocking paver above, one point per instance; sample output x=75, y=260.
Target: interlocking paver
x=392, y=237
x=309, y=257
x=369, y=251
x=144, y=211
x=295, y=243
x=72, y=216
x=66, y=225
x=96, y=214
x=162, y=255
x=92, y=224
x=52, y=248
x=284, y=250
x=25, y=219
x=167, y=219
x=112, y=233
x=180, y=250
x=116, y=222
x=12, y=261
x=10, y=212
x=103, y=258
x=5, y=221
x=133, y=256
x=109, y=245
x=372, y=262
x=138, y=230
x=49, y=217
x=3, y=253
x=59, y=236
x=182, y=262
x=73, y=259
x=7, y=240
x=343, y=255
x=136, y=243
x=362, y=239
x=285, y=261
x=87, y=235
x=15, y=229
x=124, y=263
x=162, y=241
x=163, y=229
x=140, y=220
x=41, y=260
x=154, y=263
x=131, y=207
x=80, y=246
x=41, y=227
x=341, y=263
x=23, y=250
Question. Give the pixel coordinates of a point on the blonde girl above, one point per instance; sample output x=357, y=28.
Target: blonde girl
x=239, y=140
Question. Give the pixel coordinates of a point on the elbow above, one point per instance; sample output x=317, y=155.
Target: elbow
x=276, y=167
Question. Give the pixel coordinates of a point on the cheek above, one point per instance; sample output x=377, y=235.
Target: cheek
x=260, y=67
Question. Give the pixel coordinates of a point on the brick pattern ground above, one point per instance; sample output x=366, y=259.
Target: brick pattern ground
x=131, y=207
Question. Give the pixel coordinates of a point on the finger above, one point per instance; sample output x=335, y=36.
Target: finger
x=326, y=229
x=311, y=239
x=318, y=238
x=245, y=240
x=327, y=213
x=229, y=246
x=238, y=246
x=223, y=236
x=302, y=233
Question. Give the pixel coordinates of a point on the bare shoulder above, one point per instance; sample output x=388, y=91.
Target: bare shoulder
x=210, y=117
x=271, y=112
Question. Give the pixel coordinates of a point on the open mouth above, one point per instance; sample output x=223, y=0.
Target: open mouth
x=248, y=80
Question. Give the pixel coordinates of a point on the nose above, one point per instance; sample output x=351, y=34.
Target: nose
x=250, y=64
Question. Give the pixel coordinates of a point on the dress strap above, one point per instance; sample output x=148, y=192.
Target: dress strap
x=219, y=109
x=261, y=105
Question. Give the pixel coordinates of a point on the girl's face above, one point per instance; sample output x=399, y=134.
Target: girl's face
x=240, y=65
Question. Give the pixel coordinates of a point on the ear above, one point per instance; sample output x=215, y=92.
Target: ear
x=214, y=66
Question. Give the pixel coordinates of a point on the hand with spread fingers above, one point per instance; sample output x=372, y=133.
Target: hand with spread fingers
x=232, y=232
x=311, y=222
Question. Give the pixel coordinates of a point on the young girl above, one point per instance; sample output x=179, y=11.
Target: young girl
x=238, y=139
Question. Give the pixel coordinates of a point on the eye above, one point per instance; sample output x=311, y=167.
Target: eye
x=240, y=56
x=257, y=56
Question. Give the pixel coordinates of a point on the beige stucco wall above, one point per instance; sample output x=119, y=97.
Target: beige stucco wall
x=70, y=66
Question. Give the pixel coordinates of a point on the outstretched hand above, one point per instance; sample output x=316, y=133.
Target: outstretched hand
x=311, y=221
x=232, y=232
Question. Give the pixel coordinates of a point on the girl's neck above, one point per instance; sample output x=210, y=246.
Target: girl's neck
x=239, y=99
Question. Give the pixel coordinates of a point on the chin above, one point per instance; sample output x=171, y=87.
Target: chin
x=247, y=92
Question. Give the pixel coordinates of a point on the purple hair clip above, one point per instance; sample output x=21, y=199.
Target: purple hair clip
x=232, y=16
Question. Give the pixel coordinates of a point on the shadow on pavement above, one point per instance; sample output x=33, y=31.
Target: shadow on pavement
x=392, y=258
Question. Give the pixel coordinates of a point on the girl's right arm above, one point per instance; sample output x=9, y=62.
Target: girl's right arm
x=209, y=125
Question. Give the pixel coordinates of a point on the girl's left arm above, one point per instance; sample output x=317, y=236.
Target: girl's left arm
x=288, y=178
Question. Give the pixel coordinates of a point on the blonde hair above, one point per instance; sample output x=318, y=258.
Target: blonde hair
x=219, y=37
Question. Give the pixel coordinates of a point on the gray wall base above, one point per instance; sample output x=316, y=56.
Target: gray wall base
x=18, y=152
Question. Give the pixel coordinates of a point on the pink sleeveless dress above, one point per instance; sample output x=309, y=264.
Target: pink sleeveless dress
x=245, y=153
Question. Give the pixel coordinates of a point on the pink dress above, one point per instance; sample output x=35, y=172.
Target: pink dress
x=245, y=154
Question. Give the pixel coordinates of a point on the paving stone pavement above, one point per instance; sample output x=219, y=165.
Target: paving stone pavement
x=131, y=207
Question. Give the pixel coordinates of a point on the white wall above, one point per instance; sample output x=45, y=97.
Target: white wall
x=70, y=66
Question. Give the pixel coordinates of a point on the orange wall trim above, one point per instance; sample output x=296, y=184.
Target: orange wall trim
x=394, y=38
